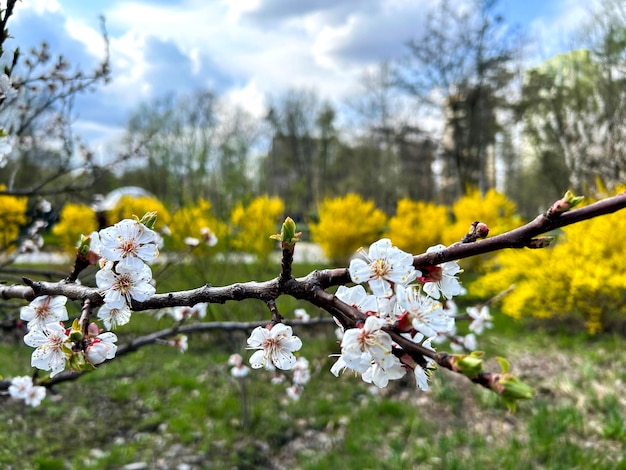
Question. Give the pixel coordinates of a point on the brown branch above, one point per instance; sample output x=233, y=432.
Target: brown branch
x=84, y=317
x=158, y=336
x=520, y=237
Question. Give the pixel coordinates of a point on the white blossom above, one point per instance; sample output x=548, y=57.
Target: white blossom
x=464, y=343
x=48, y=342
x=102, y=347
x=182, y=312
x=368, y=339
x=441, y=279
x=380, y=377
x=123, y=284
x=384, y=264
x=5, y=149
x=20, y=386
x=113, y=317
x=357, y=298
x=6, y=87
x=421, y=377
x=129, y=242
x=208, y=236
x=426, y=314
x=191, y=242
x=301, y=373
x=481, y=318
x=301, y=314
x=24, y=389
x=239, y=369
x=181, y=343
x=275, y=344
x=43, y=310
x=294, y=392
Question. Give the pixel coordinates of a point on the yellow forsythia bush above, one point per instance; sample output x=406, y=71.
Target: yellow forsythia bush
x=494, y=209
x=193, y=221
x=346, y=224
x=12, y=217
x=417, y=225
x=130, y=205
x=253, y=224
x=75, y=220
x=581, y=280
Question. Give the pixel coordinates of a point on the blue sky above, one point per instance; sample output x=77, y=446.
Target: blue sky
x=247, y=49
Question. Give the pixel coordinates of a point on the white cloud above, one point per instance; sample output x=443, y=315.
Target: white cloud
x=247, y=49
x=90, y=37
x=38, y=6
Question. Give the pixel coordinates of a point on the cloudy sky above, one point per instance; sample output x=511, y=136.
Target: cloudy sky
x=246, y=49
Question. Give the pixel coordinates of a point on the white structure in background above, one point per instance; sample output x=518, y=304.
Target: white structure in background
x=108, y=202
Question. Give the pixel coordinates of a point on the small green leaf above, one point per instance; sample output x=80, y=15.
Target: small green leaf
x=504, y=364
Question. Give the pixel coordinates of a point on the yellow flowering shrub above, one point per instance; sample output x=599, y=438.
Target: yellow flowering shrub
x=130, y=205
x=580, y=280
x=417, y=225
x=494, y=209
x=75, y=220
x=12, y=217
x=346, y=224
x=190, y=221
x=253, y=225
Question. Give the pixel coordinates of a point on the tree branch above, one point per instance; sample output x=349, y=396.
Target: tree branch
x=309, y=286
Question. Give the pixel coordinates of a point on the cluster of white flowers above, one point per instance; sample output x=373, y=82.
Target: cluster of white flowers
x=299, y=378
x=239, y=370
x=182, y=313
x=180, y=342
x=402, y=298
x=123, y=249
x=275, y=345
x=207, y=236
x=46, y=332
x=23, y=388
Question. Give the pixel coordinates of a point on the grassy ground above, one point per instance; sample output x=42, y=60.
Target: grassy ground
x=168, y=410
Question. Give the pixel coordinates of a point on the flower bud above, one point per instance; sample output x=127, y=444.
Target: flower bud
x=469, y=365
x=566, y=203
x=101, y=348
x=481, y=230
x=74, y=333
x=288, y=235
x=512, y=389
x=84, y=246
x=478, y=230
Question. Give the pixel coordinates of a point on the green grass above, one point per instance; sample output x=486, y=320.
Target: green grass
x=165, y=408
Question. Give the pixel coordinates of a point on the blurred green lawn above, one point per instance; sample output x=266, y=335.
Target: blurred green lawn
x=168, y=410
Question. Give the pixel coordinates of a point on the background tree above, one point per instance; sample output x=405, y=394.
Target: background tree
x=392, y=149
x=466, y=84
x=292, y=167
x=572, y=122
x=180, y=136
x=194, y=147
x=36, y=110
